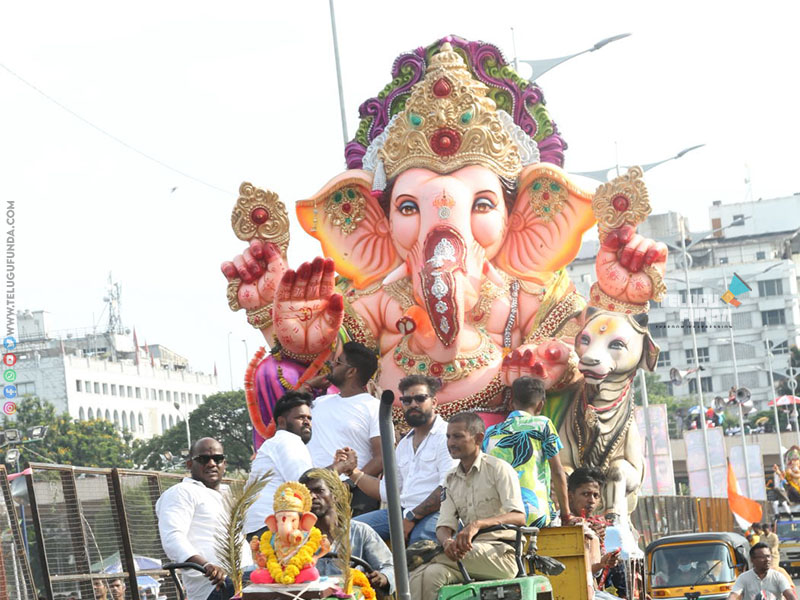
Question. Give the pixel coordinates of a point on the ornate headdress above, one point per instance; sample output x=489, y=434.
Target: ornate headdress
x=449, y=122
x=292, y=496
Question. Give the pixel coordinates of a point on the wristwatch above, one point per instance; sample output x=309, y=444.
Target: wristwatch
x=410, y=516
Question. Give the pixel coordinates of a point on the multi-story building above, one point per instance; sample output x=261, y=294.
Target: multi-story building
x=759, y=242
x=142, y=389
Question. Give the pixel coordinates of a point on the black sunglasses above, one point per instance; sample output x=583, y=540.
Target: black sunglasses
x=204, y=459
x=418, y=398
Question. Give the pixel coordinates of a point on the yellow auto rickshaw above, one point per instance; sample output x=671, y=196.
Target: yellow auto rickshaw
x=699, y=566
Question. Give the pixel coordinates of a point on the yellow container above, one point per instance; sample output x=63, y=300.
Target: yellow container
x=566, y=545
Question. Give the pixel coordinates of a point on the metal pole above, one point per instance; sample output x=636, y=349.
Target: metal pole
x=246, y=352
x=338, y=71
x=694, y=349
x=651, y=461
x=739, y=404
x=774, y=404
x=393, y=497
x=514, y=47
x=230, y=366
x=792, y=387
x=188, y=433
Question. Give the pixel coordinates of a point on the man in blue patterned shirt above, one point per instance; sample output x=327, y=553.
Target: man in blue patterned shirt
x=530, y=443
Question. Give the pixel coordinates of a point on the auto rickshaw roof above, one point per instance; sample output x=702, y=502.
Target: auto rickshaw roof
x=734, y=539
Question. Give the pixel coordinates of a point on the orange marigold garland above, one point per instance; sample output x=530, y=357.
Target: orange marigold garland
x=360, y=580
x=304, y=557
x=252, y=396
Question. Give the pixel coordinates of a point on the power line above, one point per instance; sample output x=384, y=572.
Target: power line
x=111, y=135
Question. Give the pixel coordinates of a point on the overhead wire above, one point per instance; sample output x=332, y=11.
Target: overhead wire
x=111, y=135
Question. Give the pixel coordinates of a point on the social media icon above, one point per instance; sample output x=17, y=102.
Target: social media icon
x=10, y=343
x=9, y=408
x=10, y=375
x=9, y=359
x=10, y=391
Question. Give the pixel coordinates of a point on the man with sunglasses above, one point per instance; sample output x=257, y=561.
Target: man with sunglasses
x=349, y=418
x=189, y=516
x=422, y=464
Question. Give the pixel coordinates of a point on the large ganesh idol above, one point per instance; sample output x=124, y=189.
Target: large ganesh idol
x=450, y=233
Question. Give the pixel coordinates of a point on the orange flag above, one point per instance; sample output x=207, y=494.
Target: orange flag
x=745, y=511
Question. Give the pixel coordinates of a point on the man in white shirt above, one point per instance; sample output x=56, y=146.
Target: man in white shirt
x=189, y=516
x=761, y=581
x=423, y=462
x=349, y=418
x=285, y=454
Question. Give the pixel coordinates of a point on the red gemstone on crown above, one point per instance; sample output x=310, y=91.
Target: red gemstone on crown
x=259, y=215
x=620, y=203
x=442, y=88
x=436, y=369
x=445, y=141
x=346, y=208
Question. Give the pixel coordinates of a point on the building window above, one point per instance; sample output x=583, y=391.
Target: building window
x=696, y=292
x=133, y=421
x=163, y=423
x=139, y=393
x=723, y=260
x=105, y=389
x=91, y=414
x=657, y=330
x=204, y=397
x=761, y=255
x=773, y=317
x=171, y=422
x=153, y=394
x=699, y=326
x=161, y=395
x=702, y=356
x=124, y=421
x=113, y=389
x=663, y=359
x=705, y=383
x=742, y=320
x=141, y=423
x=738, y=221
x=26, y=389
x=108, y=416
x=183, y=397
x=169, y=396
x=770, y=287
x=130, y=392
x=88, y=385
x=96, y=387
x=78, y=385
x=116, y=419
x=81, y=414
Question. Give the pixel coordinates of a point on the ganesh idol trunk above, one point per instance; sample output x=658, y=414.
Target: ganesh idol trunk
x=393, y=497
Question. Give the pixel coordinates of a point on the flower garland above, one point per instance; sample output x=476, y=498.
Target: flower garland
x=303, y=557
x=359, y=579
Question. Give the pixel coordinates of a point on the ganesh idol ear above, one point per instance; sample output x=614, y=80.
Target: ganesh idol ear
x=546, y=225
x=351, y=227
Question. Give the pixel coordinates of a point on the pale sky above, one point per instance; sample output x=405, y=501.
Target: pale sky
x=246, y=91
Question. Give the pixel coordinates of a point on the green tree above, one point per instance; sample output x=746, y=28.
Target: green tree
x=222, y=416
x=69, y=441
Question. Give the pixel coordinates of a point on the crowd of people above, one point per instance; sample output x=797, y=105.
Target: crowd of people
x=455, y=479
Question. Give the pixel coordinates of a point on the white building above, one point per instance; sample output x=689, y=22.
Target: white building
x=764, y=251
x=103, y=376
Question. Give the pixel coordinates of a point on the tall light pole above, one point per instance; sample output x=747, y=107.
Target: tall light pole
x=774, y=403
x=246, y=353
x=185, y=416
x=694, y=350
x=230, y=365
x=338, y=72
x=542, y=66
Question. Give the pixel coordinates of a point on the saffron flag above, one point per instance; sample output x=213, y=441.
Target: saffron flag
x=745, y=511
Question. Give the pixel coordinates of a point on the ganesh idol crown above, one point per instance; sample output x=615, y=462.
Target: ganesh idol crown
x=445, y=243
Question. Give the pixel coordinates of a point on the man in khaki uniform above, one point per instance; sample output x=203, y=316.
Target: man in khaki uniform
x=480, y=492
